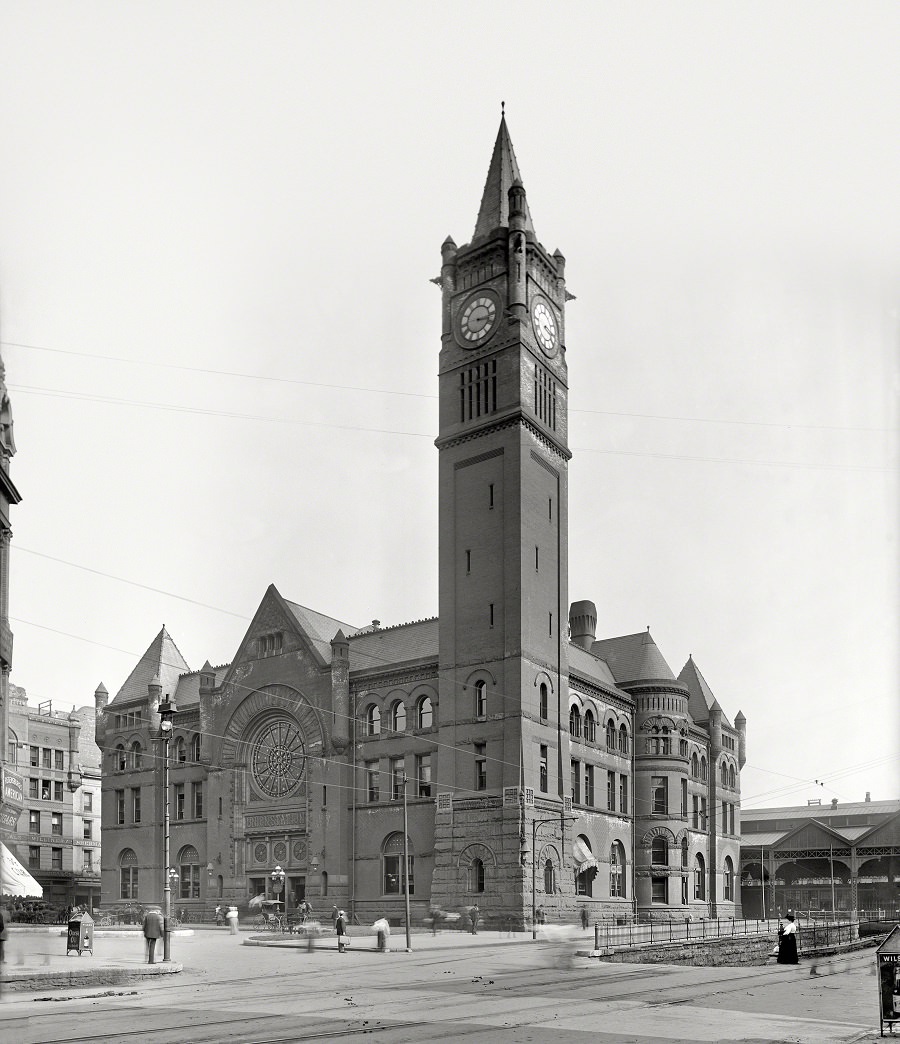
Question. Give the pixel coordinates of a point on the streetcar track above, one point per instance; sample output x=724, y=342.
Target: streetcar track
x=561, y=984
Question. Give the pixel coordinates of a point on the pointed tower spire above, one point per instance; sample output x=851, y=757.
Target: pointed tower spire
x=502, y=174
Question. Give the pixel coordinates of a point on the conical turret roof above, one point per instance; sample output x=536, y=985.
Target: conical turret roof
x=503, y=171
x=162, y=661
x=633, y=658
x=701, y=700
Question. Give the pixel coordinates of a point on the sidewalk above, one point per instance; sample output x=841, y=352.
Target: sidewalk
x=53, y=969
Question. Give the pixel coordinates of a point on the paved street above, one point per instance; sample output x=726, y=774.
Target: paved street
x=453, y=987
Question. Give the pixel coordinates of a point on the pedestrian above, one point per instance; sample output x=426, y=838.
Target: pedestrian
x=4, y=914
x=787, y=942
x=153, y=930
x=334, y=917
x=435, y=914
x=473, y=917
x=232, y=918
x=220, y=915
x=584, y=918
x=340, y=928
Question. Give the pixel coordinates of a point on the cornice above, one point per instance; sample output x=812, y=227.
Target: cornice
x=518, y=419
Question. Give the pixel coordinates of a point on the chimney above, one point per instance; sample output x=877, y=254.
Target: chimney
x=868, y=795
x=583, y=624
x=834, y=802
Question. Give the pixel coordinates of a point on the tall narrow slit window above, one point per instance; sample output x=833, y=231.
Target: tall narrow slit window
x=545, y=397
x=478, y=390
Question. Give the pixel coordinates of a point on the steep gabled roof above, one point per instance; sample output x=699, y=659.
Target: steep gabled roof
x=503, y=171
x=319, y=628
x=161, y=659
x=582, y=661
x=374, y=649
x=633, y=658
x=702, y=700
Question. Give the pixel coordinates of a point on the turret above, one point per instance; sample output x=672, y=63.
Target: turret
x=447, y=281
x=340, y=691
x=715, y=733
x=101, y=698
x=740, y=723
x=583, y=624
x=517, y=262
x=154, y=695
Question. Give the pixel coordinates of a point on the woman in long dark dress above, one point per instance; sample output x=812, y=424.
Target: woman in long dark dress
x=787, y=942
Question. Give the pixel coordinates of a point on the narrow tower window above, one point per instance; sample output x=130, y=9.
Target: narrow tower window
x=468, y=561
x=490, y=494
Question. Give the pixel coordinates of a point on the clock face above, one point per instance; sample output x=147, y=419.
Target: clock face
x=478, y=319
x=544, y=322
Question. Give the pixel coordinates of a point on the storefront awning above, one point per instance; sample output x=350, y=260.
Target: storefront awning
x=14, y=878
x=583, y=857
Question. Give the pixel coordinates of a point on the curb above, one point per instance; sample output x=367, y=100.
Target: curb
x=28, y=980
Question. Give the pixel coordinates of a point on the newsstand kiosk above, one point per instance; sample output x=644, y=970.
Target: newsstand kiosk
x=888, y=957
x=80, y=934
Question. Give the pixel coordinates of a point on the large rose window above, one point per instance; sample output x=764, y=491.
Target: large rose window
x=278, y=758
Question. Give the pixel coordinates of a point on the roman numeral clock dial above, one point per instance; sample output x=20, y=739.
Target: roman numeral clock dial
x=478, y=319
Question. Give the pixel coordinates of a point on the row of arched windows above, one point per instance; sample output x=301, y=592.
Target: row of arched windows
x=130, y=758
x=727, y=773
x=586, y=728
x=395, y=717
x=698, y=767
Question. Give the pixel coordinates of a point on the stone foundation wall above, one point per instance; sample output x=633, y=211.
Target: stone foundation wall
x=732, y=952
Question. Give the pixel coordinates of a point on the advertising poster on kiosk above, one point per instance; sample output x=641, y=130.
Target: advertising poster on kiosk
x=888, y=957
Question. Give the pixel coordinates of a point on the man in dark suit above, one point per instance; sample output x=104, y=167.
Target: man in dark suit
x=153, y=930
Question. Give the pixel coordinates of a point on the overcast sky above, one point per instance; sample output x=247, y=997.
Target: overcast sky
x=218, y=223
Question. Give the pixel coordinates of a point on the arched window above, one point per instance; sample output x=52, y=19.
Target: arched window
x=665, y=744
x=659, y=852
x=585, y=866
x=189, y=873
x=575, y=722
x=481, y=699
x=623, y=740
x=424, y=713
x=695, y=766
x=728, y=879
x=121, y=759
x=180, y=752
x=732, y=777
x=684, y=853
x=702, y=770
x=398, y=716
x=723, y=773
x=128, y=874
x=136, y=755
x=543, y=701
x=195, y=747
x=391, y=863
x=475, y=876
x=590, y=727
x=324, y=882
x=611, y=735
x=699, y=877
x=373, y=720
x=617, y=870
x=683, y=748
x=549, y=877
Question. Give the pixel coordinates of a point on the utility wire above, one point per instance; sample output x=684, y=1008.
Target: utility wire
x=277, y=379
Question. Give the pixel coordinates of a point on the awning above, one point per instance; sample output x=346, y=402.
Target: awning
x=584, y=858
x=14, y=878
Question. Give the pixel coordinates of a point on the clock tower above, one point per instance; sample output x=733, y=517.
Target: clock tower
x=503, y=547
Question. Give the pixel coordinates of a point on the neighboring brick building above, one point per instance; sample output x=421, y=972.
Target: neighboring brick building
x=534, y=751
x=57, y=836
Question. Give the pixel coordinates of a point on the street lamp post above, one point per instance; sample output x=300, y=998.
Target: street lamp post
x=406, y=865
x=535, y=823
x=166, y=712
x=278, y=876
